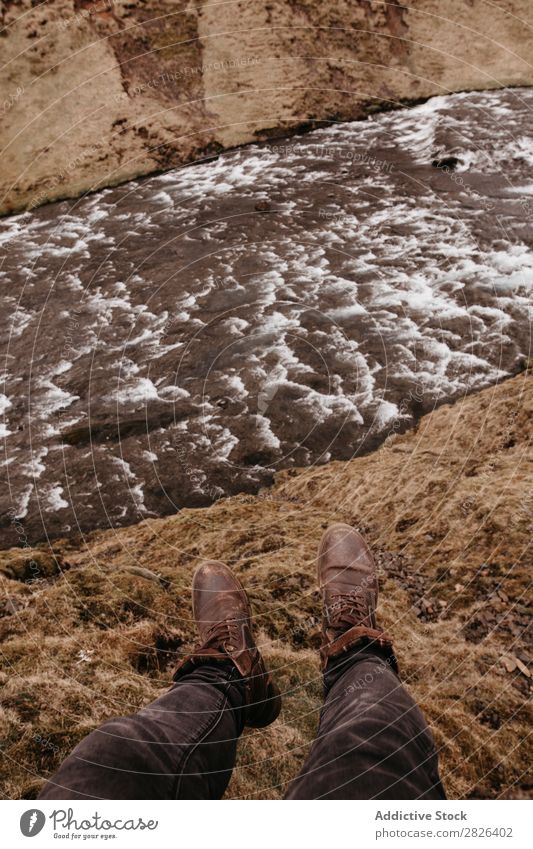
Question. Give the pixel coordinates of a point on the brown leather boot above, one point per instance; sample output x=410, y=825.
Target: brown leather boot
x=222, y=613
x=349, y=586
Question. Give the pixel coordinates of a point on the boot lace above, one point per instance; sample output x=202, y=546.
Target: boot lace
x=228, y=633
x=347, y=609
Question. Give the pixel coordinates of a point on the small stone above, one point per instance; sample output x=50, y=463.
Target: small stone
x=523, y=668
x=449, y=162
x=11, y=606
x=509, y=663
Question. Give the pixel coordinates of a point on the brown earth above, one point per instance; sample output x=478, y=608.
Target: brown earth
x=95, y=92
x=90, y=628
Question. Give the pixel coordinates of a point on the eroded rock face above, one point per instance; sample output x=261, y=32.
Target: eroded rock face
x=95, y=92
x=179, y=339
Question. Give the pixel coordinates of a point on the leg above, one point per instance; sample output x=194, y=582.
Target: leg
x=182, y=746
x=372, y=740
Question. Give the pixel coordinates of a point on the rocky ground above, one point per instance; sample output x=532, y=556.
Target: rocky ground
x=91, y=625
x=96, y=92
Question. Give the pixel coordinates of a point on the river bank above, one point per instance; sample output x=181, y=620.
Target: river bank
x=448, y=509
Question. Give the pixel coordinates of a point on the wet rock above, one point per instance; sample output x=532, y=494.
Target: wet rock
x=449, y=162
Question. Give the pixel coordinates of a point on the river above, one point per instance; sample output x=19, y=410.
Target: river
x=182, y=337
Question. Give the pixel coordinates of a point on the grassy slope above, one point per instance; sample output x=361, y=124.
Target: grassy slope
x=449, y=511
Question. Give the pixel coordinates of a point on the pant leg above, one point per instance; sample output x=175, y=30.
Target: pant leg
x=372, y=742
x=181, y=746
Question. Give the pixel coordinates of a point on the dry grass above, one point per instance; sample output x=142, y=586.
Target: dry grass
x=448, y=510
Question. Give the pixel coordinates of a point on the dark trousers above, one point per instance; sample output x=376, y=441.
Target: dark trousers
x=372, y=742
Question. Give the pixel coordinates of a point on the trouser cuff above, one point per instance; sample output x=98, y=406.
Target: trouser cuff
x=357, y=637
x=366, y=649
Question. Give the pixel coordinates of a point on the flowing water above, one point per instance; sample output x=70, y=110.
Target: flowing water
x=182, y=337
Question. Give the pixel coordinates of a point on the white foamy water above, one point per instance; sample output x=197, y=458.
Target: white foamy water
x=180, y=337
